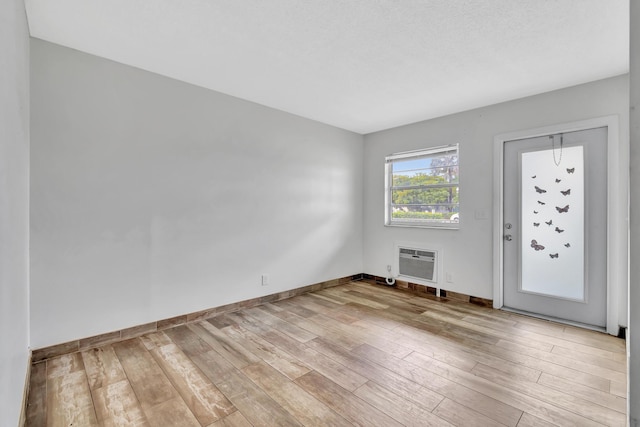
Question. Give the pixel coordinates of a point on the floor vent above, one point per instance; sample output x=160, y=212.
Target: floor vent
x=417, y=263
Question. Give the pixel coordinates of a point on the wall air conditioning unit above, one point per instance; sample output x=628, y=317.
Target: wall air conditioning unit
x=418, y=263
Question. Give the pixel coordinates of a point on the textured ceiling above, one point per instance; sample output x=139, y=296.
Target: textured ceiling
x=362, y=65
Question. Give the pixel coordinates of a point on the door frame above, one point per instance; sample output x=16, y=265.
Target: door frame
x=617, y=210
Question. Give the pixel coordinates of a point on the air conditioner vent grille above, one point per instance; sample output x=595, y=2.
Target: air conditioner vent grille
x=417, y=263
x=427, y=254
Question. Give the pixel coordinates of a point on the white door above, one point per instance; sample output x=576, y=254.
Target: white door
x=555, y=226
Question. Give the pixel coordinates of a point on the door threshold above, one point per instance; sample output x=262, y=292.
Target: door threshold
x=556, y=319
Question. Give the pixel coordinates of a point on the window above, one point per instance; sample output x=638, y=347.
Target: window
x=422, y=188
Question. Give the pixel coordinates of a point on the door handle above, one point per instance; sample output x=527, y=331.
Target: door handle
x=508, y=237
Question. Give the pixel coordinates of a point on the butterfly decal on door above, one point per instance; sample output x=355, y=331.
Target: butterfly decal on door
x=536, y=246
x=539, y=190
x=544, y=197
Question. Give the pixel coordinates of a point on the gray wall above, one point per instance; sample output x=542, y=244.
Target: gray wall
x=634, y=284
x=468, y=252
x=152, y=198
x=14, y=208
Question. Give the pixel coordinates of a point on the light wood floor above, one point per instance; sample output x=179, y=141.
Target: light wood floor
x=357, y=354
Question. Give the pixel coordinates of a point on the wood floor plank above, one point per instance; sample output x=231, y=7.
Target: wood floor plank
x=235, y=419
x=358, y=334
x=619, y=357
x=341, y=317
x=117, y=405
x=282, y=361
x=307, y=306
x=69, y=401
x=255, y=404
x=409, y=390
x=343, y=402
x=461, y=333
x=306, y=408
x=607, y=343
x=382, y=339
x=501, y=392
x=333, y=334
x=326, y=366
x=188, y=341
x=460, y=415
x=357, y=353
x=594, y=347
x=397, y=407
x=618, y=389
x=565, y=361
x=328, y=298
x=491, y=394
x=525, y=360
x=102, y=366
x=214, y=366
x=223, y=320
x=489, y=334
x=387, y=293
x=224, y=345
x=64, y=365
x=311, y=300
x=587, y=393
x=385, y=301
x=151, y=385
x=349, y=297
x=274, y=322
x=204, y=400
x=172, y=413
x=156, y=339
x=459, y=360
x=37, y=400
x=552, y=396
x=272, y=307
x=493, y=408
x=379, y=302
x=371, y=317
x=529, y=420
x=405, y=321
x=606, y=361
x=391, y=297
x=465, y=356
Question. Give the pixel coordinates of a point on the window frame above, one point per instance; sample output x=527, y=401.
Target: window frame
x=416, y=154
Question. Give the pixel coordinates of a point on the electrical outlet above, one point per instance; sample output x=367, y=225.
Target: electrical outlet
x=265, y=279
x=449, y=277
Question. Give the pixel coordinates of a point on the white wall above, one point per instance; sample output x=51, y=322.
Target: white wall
x=153, y=198
x=14, y=208
x=633, y=344
x=468, y=251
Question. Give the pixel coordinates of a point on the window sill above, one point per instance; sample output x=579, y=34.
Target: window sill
x=430, y=226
